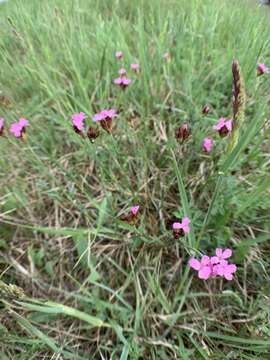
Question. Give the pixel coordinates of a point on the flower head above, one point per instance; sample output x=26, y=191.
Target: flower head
x=221, y=255
x=2, y=124
x=183, y=132
x=203, y=267
x=205, y=109
x=224, y=269
x=122, y=81
x=214, y=266
x=180, y=229
x=122, y=72
x=92, y=134
x=105, y=118
x=134, y=210
x=262, y=69
x=132, y=217
x=78, y=121
x=119, y=55
x=18, y=129
x=207, y=144
x=135, y=68
x=223, y=126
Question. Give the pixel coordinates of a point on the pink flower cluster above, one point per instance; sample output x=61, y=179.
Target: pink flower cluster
x=214, y=266
x=262, y=69
x=17, y=128
x=122, y=80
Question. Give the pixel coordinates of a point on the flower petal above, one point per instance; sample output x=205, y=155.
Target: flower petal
x=194, y=264
x=227, y=253
x=204, y=272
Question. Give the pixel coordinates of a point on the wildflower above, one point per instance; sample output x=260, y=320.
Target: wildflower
x=225, y=269
x=262, y=69
x=122, y=81
x=78, y=122
x=2, y=125
x=207, y=144
x=215, y=266
x=221, y=255
x=205, y=109
x=122, y=72
x=134, y=210
x=223, y=126
x=166, y=55
x=119, y=55
x=180, y=229
x=203, y=267
x=183, y=132
x=135, y=68
x=132, y=217
x=92, y=134
x=105, y=118
x=18, y=129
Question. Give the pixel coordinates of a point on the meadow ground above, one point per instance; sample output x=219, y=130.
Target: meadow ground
x=95, y=286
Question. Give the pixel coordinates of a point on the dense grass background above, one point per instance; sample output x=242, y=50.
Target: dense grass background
x=119, y=291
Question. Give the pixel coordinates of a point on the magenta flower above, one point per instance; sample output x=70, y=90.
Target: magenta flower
x=205, y=109
x=134, y=210
x=2, y=125
x=224, y=269
x=203, y=267
x=119, y=55
x=135, y=68
x=262, y=69
x=218, y=265
x=223, y=126
x=207, y=144
x=166, y=55
x=122, y=72
x=18, y=129
x=123, y=82
x=221, y=255
x=180, y=229
x=132, y=217
x=78, y=121
x=105, y=118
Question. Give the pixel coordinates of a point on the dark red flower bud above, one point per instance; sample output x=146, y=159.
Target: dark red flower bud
x=183, y=132
x=205, y=109
x=92, y=134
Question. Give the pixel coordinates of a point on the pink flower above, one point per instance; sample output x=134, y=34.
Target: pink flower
x=78, y=121
x=132, y=217
x=119, y=55
x=225, y=269
x=166, y=55
x=223, y=126
x=122, y=72
x=207, y=144
x=203, y=267
x=18, y=129
x=180, y=229
x=105, y=118
x=123, y=82
x=135, y=68
x=215, y=266
x=2, y=124
x=221, y=255
x=262, y=69
x=134, y=210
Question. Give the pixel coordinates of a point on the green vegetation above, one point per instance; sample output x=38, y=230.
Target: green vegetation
x=96, y=287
